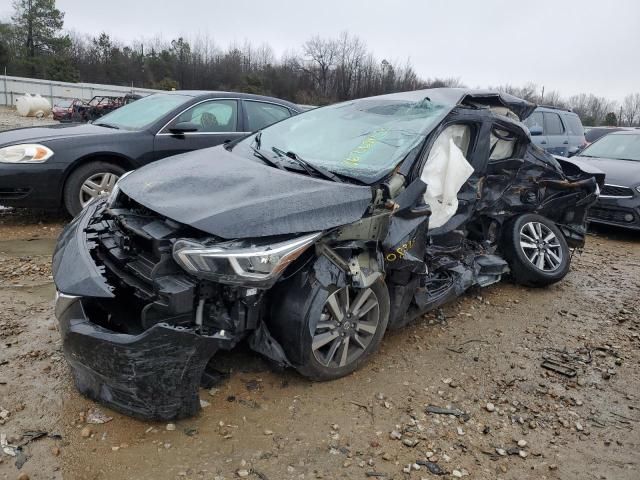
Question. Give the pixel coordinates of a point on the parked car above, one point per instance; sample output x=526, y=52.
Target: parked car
x=556, y=130
x=63, y=110
x=309, y=239
x=594, y=133
x=99, y=106
x=68, y=165
x=617, y=154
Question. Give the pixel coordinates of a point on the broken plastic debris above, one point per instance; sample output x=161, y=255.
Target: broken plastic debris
x=97, y=417
x=6, y=448
x=559, y=368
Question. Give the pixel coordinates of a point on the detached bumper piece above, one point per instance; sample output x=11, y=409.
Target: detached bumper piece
x=154, y=375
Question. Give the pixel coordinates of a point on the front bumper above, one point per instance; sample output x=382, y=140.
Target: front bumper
x=621, y=212
x=155, y=374
x=31, y=185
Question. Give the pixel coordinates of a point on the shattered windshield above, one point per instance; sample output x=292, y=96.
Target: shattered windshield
x=363, y=139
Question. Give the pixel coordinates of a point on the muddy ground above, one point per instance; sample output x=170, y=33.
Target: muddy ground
x=481, y=355
x=486, y=348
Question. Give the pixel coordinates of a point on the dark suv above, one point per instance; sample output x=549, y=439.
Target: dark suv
x=556, y=130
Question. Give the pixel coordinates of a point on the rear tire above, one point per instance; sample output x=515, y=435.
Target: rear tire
x=536, y=250
x=97, y=179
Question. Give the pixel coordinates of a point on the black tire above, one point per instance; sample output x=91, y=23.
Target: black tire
x=298, y=308
x=514, y=245
x=71, y=193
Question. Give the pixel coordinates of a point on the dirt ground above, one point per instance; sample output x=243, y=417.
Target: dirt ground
x=480, y=356
x=486, y=348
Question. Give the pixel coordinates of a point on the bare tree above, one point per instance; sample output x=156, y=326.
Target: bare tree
x=322, y=55
x=631, y=109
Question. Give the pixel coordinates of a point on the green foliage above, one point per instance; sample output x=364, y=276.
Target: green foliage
x=38, y=25
x=611, y=120
x=166, y=84
x=36, y=44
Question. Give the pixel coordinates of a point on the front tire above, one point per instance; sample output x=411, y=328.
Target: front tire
x=536, y=250
x=87, y=182
x=331, y=332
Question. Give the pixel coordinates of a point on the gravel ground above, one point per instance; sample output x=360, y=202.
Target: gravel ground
x=10, y=119
x=481, y=357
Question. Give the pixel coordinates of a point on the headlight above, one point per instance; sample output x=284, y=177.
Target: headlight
x=113, y=196
x=26, y=153
x=638, y=189
x=239, y=263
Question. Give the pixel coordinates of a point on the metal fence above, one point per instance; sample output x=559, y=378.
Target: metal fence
x=13, y=87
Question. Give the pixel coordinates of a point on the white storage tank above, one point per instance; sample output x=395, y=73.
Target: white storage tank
x=33, y=106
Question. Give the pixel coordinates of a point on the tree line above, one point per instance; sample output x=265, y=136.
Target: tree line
x=33, y=43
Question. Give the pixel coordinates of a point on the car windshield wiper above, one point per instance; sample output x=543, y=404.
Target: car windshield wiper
x=269, y=161
x=308, y=167
x=108, y=125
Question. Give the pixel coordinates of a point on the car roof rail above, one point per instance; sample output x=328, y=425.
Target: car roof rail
x=553, y=107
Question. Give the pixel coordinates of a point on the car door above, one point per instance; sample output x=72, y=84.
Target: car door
x=216, y=121
x=258, y=115
x=557, y=139
x=575, y=132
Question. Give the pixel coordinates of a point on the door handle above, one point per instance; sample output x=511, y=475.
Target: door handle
x=566, y=142
x=544, y=142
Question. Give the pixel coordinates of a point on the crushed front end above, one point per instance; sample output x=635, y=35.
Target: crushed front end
x=128, y=313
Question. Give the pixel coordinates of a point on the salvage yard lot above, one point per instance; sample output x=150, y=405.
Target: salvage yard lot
x=481, y=354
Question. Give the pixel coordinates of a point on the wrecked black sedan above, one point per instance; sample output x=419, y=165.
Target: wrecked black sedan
x=309, y=239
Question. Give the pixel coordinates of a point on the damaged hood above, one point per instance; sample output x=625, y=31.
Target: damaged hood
x=231, y=196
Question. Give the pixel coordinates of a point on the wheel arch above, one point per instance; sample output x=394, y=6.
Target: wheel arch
x=108, y=157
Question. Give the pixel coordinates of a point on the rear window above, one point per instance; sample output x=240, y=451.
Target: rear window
x=573, y=124
x=552, y=124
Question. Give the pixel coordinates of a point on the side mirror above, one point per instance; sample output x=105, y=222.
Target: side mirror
x=183, y=127
x=573, y=151
x=535, y=131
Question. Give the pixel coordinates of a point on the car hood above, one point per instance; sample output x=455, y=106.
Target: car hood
x=625, y=173
x=231, y=196
x=52, y=132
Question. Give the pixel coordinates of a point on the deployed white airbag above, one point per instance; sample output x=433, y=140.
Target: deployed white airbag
x=445, y=172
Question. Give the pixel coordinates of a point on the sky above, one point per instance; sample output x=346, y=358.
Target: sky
x=566, y=45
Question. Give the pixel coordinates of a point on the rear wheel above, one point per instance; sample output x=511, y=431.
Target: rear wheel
x=537, y=251
x=89, y=181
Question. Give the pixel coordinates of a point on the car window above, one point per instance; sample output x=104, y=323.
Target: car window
x=212, y=116
x=363, y=138
x=573, y=124
x=534, y=120
x=260, y=114
x=552, y=124
x=144, y=112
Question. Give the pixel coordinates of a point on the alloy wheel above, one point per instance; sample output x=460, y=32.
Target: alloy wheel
x=97, y=185
x=348, y=323
x=541, y=246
